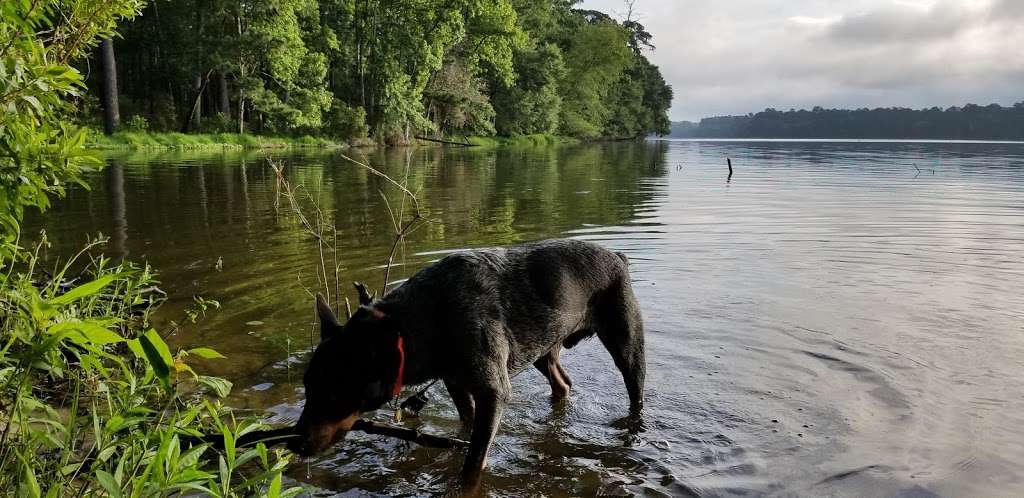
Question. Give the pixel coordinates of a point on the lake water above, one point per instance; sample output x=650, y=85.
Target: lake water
x=835, y=319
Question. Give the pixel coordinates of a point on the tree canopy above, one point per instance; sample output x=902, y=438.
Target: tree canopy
x=389, y=69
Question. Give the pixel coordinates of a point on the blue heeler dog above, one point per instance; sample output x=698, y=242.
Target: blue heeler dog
x=473, y=319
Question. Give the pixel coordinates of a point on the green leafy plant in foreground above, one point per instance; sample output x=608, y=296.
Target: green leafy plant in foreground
x=94, y=403
x=92, y=400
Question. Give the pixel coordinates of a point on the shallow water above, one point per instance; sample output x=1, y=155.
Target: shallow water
x=835, y=319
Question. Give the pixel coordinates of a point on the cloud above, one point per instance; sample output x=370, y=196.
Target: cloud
x=907, y=23
x=745, y=55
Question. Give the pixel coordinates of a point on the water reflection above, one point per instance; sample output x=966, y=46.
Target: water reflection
x=825, y=322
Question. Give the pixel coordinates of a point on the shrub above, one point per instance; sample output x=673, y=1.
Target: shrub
x=95, y=403
x=137, y=123
x=346, y=123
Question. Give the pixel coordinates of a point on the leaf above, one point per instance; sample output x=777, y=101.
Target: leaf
x=206, y=353
x=274, y=491
x=220, y=386
x=34, y=102
x=158, y=355
x=89, y=333
x=109, y=484
x=30, y=482
x=84, y=290
x=191, y=457
x=135, y=346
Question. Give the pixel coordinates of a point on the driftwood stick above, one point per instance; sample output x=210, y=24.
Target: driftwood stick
x=282, y=435
x=406, y=434
x=446, y=142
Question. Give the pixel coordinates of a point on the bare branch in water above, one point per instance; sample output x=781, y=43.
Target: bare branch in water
x=282, y=435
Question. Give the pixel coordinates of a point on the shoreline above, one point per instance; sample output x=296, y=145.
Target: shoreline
x=147, y=140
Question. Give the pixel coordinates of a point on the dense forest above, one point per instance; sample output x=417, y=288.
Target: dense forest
x=387, y=70
x=970, y=122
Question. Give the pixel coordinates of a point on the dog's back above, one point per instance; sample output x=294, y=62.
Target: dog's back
x=544, y=294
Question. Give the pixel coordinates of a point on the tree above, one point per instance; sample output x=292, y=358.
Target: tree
x=597, y=55
x=111, y=109
x=39, y=152
x=411, y=66
x=533, y=104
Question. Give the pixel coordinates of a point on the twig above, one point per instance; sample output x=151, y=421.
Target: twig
x=394, y=247
x=387, y=178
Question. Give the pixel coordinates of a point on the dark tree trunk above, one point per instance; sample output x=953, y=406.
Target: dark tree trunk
x=194, y=114
x=111, y=110
x=197, y=109
x=223, y=97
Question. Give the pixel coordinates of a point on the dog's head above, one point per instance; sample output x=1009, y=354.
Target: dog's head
x=353, y=370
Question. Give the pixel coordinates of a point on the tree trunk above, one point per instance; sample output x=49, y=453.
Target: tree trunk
x=197, y=106
x=193, y=118
x=223, y=98
x=111, y=110
x=241, y=112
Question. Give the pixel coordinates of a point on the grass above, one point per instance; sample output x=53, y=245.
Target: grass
x=135, y=140
x=166, y=140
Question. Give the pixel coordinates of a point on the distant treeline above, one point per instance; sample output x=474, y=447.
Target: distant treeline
x=385, y=69
x=970, y=122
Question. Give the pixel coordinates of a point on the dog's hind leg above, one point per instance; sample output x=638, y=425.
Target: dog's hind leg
x=620, y=328
x=562, y=373
x=463, y=403
x=551, y=368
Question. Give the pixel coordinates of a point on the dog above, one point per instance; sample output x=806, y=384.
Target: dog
x=473, y=320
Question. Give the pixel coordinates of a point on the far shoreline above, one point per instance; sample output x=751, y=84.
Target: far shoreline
x=840, y=140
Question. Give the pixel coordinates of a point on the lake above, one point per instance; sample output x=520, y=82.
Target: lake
x=837, y=318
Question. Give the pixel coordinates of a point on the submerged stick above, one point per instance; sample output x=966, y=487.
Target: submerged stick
x=284, y=434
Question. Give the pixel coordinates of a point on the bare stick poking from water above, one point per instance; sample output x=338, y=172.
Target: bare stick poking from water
x=729, y=162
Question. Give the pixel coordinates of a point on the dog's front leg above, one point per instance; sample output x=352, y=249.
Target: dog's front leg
x=489, y=405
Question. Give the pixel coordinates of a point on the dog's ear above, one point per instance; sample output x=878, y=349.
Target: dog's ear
x=329, y=324
x=365, y=298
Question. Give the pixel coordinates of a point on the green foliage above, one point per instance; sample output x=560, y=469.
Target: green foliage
x=93, y=399
x=533, y=104
x=175, y=140
x=39, y=152
x=293, y=67
x=346, y=123
x=643, y=100
x=597, y=55
x=90, y=397
x=457, y=102
x=137, y=123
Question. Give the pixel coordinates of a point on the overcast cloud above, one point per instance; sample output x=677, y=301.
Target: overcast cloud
x=738, y=56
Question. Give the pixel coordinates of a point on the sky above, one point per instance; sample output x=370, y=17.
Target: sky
x=738, y=56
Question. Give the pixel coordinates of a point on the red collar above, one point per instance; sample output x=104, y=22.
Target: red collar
x=395, y=391
x=400, y=346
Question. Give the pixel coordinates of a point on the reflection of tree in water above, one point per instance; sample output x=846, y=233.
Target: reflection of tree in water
x=183, y=212
x=211, y=203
